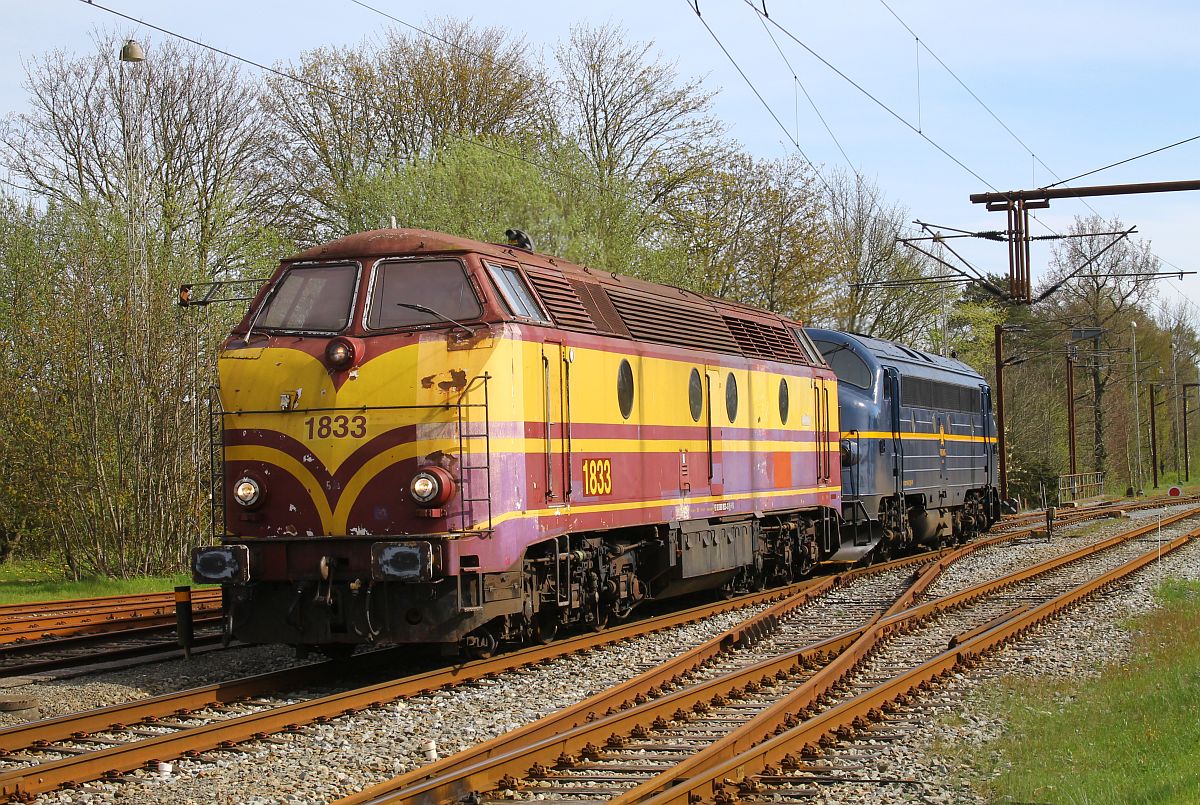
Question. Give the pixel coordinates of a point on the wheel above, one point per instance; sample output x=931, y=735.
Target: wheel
x=479, y=644
x=545, y=625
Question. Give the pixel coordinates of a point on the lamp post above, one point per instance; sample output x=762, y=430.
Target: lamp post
x=1001, y=362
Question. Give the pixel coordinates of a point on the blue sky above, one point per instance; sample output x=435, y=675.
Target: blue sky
x=1082, y=84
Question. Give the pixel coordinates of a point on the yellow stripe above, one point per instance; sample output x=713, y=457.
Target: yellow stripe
x=950, y=437
x=650, y=504
x=335, y=522
x=286, y=462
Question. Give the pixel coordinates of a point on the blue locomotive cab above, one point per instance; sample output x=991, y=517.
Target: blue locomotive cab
x=917, y=443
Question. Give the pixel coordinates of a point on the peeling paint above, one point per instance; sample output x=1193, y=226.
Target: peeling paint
x=457, y=381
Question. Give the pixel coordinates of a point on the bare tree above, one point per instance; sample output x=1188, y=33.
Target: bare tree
x=1107, y=295
x=177, y=141
x=863, y=232
x=350, y=113
x=630, y=112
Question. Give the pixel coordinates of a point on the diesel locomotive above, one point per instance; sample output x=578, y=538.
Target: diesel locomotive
x=919, y=447
x=428, y=439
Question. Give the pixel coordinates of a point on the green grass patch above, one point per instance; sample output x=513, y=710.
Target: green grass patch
x=25, y=580
x=1130, y=736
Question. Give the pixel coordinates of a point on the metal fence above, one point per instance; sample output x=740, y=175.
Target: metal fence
x=1080, y=486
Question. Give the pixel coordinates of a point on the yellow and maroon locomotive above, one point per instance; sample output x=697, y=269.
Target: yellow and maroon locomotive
x=428, y=439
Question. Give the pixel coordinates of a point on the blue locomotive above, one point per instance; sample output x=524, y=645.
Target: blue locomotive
x=918, y=445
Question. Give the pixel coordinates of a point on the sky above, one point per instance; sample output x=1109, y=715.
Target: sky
x=1071, y=86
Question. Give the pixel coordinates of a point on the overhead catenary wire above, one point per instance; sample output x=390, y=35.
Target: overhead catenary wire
x=864, y=91
x=1033, y=155
x=758, y=94
x=1123, y=161
x=811, y=102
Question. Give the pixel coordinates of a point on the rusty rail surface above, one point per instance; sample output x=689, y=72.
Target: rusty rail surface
x=560, y=738
x=25, y=622
x=24, y=782
x=8, y=611
x=847, y=720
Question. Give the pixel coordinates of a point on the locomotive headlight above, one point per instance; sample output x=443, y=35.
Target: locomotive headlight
x=246, y=491
x=424, y=487
x=339, y=353
x=431, y=487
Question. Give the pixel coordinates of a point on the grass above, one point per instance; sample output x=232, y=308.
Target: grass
x=1129, y=736
x=25, y=580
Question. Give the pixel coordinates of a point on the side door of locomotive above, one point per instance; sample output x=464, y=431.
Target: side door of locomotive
x=985, y=476
x=891, y=396
x=714, y=410
x=556, y=409
x=822, y=424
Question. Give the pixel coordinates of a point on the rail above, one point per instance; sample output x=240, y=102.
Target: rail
x=563, y=739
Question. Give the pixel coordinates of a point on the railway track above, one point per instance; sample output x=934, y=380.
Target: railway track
x=112, y=741
x=723, y=710
x=41, y=637
x=44, y=755
x=45, y=619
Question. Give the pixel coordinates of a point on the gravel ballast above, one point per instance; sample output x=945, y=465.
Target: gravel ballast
x=328, y=761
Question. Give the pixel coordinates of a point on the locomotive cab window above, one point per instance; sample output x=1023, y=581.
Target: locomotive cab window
x=400, y=288
x=848, y=367
x=515, y=293
x=311, y=299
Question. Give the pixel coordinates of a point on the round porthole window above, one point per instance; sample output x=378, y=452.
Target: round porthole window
x=783, y=401
x=695, y=396
x=625, y=389
x=731, y=398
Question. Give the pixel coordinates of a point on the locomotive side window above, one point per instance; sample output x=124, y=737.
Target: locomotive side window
x=783, y=400
x=515, y=293
x=848, y=367
x=810, y=348
x=731, y=397
x=625, y=389
x=311, y=299
x=921, y=393
x=695, y=395
x=440, y=285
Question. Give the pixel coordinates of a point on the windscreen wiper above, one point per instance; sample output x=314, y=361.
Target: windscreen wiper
x=432, y=312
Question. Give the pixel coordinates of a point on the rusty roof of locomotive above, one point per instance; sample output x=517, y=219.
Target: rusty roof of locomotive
x=391, y=242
